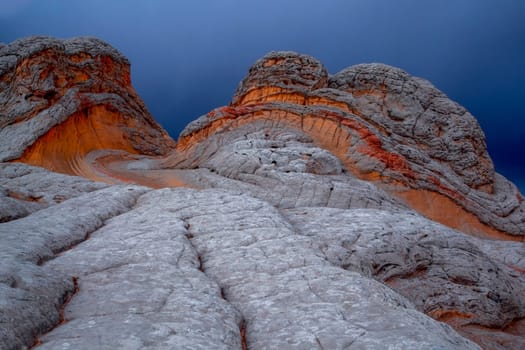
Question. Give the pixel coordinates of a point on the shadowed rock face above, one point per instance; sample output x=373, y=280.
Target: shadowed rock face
x=312, y=215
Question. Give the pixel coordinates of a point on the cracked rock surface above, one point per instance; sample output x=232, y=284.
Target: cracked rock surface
x=187, y=269
x=31, y=295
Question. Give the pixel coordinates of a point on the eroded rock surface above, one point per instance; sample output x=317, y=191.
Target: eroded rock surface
x=26, y=189
x=191, y=269
x=62, y=99
x=312, y=218
x=447, y=275
x=31, y=296
x=385, y=126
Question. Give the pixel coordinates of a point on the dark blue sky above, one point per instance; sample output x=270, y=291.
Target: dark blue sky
x=188, y=56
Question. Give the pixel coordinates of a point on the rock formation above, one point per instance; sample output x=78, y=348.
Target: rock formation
x=355, y=210
x=384, y=126
x=62, y=99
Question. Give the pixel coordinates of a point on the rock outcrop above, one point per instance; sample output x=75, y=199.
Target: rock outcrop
x=62, y=99
x=355, y=210
x=384, y=126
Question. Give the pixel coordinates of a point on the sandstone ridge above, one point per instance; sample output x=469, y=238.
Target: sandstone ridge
x=385, y=126
x=354, y=210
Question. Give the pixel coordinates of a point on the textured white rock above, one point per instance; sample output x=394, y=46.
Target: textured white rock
x=415, y=113
x=31, y=296
x=140, y=287
x=25, y=189
x=282, y=166
x=300, y=287
x=395, y=125
x=440, y=270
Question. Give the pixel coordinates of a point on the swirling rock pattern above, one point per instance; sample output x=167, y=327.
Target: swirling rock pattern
x=62, y=99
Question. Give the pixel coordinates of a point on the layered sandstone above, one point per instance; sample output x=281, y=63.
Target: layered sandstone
x=313, y=217
x=62, y=99
x=385, y=126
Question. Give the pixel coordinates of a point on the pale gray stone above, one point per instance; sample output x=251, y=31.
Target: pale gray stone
x=439, y=269
x=25, y=189
x=283, y=167
x=140, y=287
x=31, y=296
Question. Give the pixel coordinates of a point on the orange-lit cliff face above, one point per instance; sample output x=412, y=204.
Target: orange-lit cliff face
x=64, y=148
x=332, y=132
x=386, y=127
x=65, y=99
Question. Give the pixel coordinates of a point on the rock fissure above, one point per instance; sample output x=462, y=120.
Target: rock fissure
x=242, y=331
x=71, y=245
x=45, y=240
x=117, y=277
x=66, y=299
